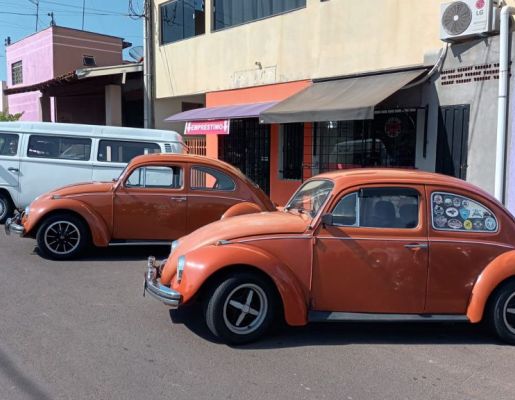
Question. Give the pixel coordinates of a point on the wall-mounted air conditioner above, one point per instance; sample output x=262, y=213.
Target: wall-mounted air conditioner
x=465, y=19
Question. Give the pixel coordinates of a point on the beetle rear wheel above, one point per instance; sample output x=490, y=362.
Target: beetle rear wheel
x=241, y=308
x=502, y=312
x=62, y=236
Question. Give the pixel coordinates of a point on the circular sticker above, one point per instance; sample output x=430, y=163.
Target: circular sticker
x=448, y=201
x=478, y=225
x=452, y=212
x=465, y=203
x=490, y=224
x=438, y=199
x=439, y=210
x=456, y=201
x=454, y=224
x=440, y=221
x=467, y=225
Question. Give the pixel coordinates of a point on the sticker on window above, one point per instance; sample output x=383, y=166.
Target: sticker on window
x=451, y=212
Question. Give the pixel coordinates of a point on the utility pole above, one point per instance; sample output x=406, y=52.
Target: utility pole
x=148, y=108
x=83, y=12
x=36, y=3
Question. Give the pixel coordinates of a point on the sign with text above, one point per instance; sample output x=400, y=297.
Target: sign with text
x=218, y=127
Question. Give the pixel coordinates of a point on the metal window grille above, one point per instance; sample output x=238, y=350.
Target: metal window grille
x=196, y=145
x=292, y=151
x=248, y=148
x=17, y=73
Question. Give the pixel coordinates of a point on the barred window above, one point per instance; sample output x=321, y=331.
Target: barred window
x=17, y=73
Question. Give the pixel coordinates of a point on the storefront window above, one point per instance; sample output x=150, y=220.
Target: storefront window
x=181, y=19
x=389, y=140
x=292, y=142
x=229, y=13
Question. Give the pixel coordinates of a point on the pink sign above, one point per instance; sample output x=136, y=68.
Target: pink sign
x=219, y=127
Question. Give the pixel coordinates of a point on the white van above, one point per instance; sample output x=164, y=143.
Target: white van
x=36, y=157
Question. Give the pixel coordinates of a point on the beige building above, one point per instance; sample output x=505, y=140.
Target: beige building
x=244, y=60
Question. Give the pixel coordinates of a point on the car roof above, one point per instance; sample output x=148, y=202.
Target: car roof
x=92, y=131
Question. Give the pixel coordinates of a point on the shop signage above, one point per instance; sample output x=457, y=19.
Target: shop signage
x=218, y=127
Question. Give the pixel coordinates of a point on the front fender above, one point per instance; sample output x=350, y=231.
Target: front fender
x=100, y=234
x=204, y=262
x=500, y=269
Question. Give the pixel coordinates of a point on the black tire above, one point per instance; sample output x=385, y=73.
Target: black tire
x=222, y=318
x=62, y=237
x=501, y=312
x=6, y=207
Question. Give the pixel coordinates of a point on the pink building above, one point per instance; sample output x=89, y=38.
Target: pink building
x=54, y=53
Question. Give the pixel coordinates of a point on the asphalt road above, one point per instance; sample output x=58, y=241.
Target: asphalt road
x=82, y=330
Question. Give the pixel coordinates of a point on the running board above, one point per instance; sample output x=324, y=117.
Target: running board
x=139, y=243
x=322, y=316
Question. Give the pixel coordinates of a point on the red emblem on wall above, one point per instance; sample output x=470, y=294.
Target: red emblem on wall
x=480, y=4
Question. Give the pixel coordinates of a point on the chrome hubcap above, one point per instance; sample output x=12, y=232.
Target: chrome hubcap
x=245, y=309
x=509, y=313
x=62, y=237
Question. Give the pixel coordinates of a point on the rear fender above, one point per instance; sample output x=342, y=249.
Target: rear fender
x=202, y=263
x=100, y=233
x=499, y=270
x=241, y=209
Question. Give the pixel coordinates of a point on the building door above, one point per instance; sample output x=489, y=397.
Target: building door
x=452, y=147
x=247, y=147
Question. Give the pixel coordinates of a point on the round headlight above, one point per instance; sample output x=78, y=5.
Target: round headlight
x=27, y=209
x=181, y=263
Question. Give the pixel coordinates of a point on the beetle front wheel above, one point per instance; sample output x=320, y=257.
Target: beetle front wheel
x=62, y=236
x=241, y=308
x=502, y=312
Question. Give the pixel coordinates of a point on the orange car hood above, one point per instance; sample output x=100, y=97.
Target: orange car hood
x=83, y=188
x=265, y=223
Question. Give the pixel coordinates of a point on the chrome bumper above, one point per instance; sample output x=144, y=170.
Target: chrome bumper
x=155, y=289
x=13, y=225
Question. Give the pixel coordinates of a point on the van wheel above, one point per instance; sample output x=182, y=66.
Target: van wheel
x=241, y=308
x=62, y=236
x=502, y=312
x=6, y=207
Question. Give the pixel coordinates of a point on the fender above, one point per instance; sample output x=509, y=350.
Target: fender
x=242, y=209
x=100, y=234
x=500, y=269
x=205, y=261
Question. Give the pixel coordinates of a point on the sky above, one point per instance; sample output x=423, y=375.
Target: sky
x=18, y=19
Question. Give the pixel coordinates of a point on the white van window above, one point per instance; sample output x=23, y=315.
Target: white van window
x=65, y=148
x=124, y=152
x=8, y=144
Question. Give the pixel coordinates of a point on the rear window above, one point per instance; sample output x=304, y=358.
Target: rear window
x=56, y=147
x=8, y=144
x=123, y=152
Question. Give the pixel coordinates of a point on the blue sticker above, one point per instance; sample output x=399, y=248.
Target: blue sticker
x=464, y=213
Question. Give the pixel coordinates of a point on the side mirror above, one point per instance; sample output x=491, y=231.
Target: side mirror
x=327, y=219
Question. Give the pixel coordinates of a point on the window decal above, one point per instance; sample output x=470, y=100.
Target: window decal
x=452, y=212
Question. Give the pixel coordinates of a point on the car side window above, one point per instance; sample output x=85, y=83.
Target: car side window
x=205, y=178
x=117, y=151
x=8, y=144
x=453, y=212
x=56, y=147
x=155, y=177
x=379, y=208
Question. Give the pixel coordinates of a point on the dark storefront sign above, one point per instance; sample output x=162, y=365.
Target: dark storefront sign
x=248, y=148
x=389, y=140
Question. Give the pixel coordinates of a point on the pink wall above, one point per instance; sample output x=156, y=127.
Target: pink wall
x=53, y=52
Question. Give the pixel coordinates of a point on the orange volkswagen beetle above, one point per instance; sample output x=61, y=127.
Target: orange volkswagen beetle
x=358, y=245
x=158, y=198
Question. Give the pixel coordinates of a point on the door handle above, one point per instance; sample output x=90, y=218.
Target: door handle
x=416, y=246
x=12, y=169
x=178, y=199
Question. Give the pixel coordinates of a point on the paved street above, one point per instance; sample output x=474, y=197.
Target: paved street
x=82, y=330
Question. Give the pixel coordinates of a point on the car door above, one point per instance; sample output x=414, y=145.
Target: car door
x=373, y=257
x=212, y=193
x=151, y=204
x=10, y=162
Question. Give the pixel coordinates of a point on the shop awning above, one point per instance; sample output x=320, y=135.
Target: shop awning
x=237, y=111
x=345, y=99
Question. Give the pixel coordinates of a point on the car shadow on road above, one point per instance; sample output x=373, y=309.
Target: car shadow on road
x=339, y=333
x=121, y=253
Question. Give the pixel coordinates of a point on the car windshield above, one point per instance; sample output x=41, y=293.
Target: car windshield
x=310, y=197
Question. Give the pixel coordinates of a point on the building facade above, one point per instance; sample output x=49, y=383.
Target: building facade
x=336, y=84
x=54, y=54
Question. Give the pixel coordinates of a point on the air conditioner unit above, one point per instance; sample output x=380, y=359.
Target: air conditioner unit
x=465, y=19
